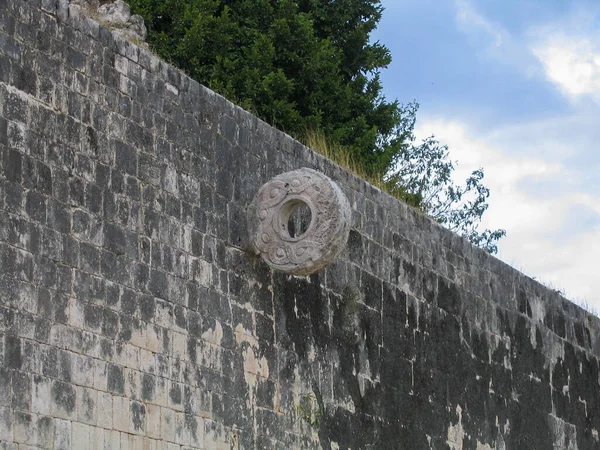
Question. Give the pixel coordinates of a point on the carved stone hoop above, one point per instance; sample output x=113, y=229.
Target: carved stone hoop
x=326, y=234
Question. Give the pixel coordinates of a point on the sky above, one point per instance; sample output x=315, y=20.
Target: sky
x=514, y=87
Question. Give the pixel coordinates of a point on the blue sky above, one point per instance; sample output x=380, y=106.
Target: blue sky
x=513, y=87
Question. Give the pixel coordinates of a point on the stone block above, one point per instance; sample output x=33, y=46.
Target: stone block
x=112, y=440
x=6, y=424
x=115, y=379
x=62, y=434
x=104, y=410
x=87, y=406
x=121, y=413
x=21, y=390
x=63, y=400
x=96, y=438
x=45, y=429
x=167, y=424
x=80, y=435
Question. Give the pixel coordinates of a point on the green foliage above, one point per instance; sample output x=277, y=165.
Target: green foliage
x=309, y=410
x=297, y=64
x=422, y=176
x=309, y=65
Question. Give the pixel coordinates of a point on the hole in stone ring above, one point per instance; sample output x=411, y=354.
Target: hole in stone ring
x=295, y=218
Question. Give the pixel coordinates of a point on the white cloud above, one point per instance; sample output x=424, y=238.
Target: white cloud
x=573, y=63
x=569, y=51
x=471, y=21
x=539, y=240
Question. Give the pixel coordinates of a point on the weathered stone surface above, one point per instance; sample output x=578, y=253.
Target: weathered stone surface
x=116, y=15
x=327, y=217
x=132, y=316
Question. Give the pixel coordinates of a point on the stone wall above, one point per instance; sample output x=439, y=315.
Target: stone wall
x=133, y=316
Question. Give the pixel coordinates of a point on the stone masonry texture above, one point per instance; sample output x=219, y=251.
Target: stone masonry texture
x=133, y=316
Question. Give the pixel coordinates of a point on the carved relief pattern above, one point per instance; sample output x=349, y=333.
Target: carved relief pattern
x=326, y=235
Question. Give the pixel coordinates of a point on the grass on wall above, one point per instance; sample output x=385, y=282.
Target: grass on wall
x=318, y=142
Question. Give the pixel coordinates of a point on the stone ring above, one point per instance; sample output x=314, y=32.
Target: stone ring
x=299, y=221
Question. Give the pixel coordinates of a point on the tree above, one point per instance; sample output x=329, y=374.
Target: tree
x=309, y=65
x=422, y=176
x=297, y=64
